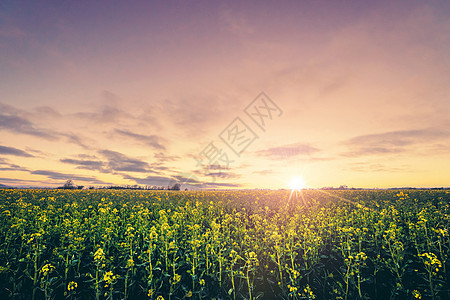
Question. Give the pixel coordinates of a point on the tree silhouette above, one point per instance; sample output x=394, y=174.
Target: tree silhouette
x=175, y=187
x=69, y=185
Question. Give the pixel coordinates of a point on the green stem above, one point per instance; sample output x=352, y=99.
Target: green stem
x=249, y=285
x=346, y=282
x=431, y=284
x=97, y=292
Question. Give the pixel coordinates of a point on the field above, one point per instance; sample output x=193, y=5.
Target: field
x=101, y=244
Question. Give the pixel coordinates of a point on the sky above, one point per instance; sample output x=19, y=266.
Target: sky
x=225, y=94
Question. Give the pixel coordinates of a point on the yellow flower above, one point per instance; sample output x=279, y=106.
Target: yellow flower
x=416, y=294
x=48, y=268
x=130, y=263
x=189, y=294
x=202, y=282
x=150, y=293
x=71, y=286
x=308, y=292
x=109, y=278
x=172, y=245
x=99, y=255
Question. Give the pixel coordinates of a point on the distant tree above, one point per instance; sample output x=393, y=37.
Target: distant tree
x=69, y=185
x=175, y=187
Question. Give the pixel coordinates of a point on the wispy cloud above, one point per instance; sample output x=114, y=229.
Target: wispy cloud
x=20, y=182
x=264, y=172
x=113, y=162
x=164, y=158
x=194, y=118
x=12, y=167
x=287, y=151
x=375, y=167
x=393, y=141
x=18, y=124
x=75, y=139
x=153, y=141
x=151, y=180
x=63, y=176
x=121, y=163
x=14, y=151
x=187, y=180
x=20, y=121
x=5, y=165
x=107, y=114
x=47, y=111
x=85, y=164
x=214, y=185
x=222, y=175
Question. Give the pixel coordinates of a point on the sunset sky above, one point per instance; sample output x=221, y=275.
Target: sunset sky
x=150, y=93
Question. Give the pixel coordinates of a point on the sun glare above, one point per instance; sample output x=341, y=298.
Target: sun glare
x=297, y=183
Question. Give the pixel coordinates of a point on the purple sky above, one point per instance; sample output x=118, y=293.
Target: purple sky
x=115, y=92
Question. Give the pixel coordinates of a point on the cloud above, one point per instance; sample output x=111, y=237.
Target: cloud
x=18, y=124
x=6, y=166
x=115, y=163
x=288, y=151
x=85, y=164
x=47, y=111
x=18, y=121
x=13, y=168
x=151, y=180
x=185, y=180
x=164, y=157
x=122, y=163
x=375, y=167
x=193, y=181
x=188, y=179
x=62, y=176
x=75, y=139
x=212, y=185
x=264, y=172
x=393, y=141
x=8, y=109
x=14, y=151
x=222, y=175
x=109, y=112
x=153, y=141
x=211, y=169
x=196, y=117
x=13, y=181
x=36, y=152
x=216, y=167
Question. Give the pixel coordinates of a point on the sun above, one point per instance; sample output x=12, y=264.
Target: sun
x=297, y=183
